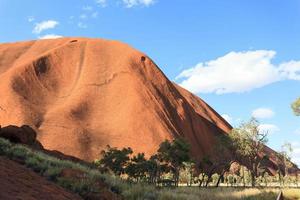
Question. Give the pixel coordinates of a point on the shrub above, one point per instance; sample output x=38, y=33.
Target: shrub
x=18, y=151
x=36, y=164
x=5, y=146
x=52, y=173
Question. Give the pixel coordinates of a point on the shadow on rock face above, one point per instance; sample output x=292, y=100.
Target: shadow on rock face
x=22, y=135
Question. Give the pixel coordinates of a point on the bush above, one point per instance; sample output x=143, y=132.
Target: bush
x=18, y=151
x=52, y=173
x=36, y=164
x=5, y=146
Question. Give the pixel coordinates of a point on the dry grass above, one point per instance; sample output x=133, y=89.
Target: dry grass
x=194, y=193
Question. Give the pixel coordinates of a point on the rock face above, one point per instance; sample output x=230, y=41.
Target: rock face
x=23, y=135
x=81, y=94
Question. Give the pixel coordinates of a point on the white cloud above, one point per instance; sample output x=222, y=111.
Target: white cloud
x=81, y=25
x=268, y=128
x=87, y=8
x=44, y=25
x=50, y=36
x=128, y=3
x=290, y=70
x=238, y=72
x=297, y=131
x=94, y=15
x=31, y=19
x=296, y=153
x=132, y=3
x=83, y=16
x=263, y=113
x=227, y=118
x=101, y=3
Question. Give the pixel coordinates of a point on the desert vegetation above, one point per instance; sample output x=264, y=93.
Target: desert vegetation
x=235, y=166
x=237, y=160
x=136, y=177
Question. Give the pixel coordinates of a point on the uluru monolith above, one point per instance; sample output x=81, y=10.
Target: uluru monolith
x=82, y=94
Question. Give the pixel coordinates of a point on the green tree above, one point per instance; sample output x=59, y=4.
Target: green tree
x=137, y=168
x=174, y=154
x=286, y=151
x=224, y=156
x=284, y=162
x=115, y=160
x=187, y=174
x=249, y=143
x=296, y=107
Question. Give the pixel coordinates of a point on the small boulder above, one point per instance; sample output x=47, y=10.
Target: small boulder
x=24, y=134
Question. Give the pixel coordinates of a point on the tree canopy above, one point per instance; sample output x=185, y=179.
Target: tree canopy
x=296, y=107
x=249, y=143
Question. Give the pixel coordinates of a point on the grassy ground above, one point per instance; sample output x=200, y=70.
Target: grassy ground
x=50, y=167
x=228, y=194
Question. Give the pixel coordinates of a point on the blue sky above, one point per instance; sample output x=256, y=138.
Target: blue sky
x=242, y=57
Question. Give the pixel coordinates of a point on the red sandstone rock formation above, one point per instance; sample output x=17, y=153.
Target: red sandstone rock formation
x=82, y=94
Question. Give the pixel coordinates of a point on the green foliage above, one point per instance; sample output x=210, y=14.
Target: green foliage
x=18, y=151
x=53, y=173
x=80, y=186
x=115, y=160
x=296, y=107
x=51, y=167
x=170, y=156
x=5, y=146
x=138, y=167
x=249, y=142
x=37, y=164
x=174, y=154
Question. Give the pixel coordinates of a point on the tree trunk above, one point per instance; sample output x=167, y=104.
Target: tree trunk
x=202, y=179
x=208, y=180
x=219, y=179
x=243, y=171
x=252, y=179
x=191, y=178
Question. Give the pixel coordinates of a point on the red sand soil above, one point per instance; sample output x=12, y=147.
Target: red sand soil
x=18, y=182
x=82, y=94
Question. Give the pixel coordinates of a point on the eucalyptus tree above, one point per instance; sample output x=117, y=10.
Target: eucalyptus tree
x=296, y=107
x=249, y=142
x=174, y=153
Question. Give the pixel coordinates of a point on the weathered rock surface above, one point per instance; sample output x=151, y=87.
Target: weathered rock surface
x=81, y=94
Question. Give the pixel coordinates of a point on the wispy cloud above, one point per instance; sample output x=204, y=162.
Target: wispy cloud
x=102, y=3
x=94, y=15
x=268, y=128
x=44, y=25
x=127, y=3
x=50, y=36
x=30, y=18
x=238, y=72
x=82, y=25
x=83, y=16
x=87, y=8
x=296, y=153
x=263, y=113
x=132, y=3
x=227, y=118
